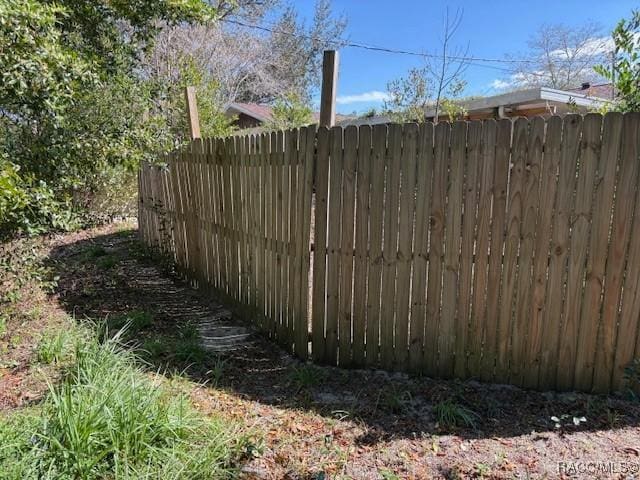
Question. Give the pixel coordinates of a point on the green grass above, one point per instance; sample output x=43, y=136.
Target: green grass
x=395, y=401
x=108, y=419
x=134, y=321
x=188, y=347
x=95, y=251
x=307, y=376
x=106, y=263
x=52, y=347
x=450, y=415
x=185, y=349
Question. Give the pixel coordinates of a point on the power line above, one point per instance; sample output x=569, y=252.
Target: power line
x=346, y=43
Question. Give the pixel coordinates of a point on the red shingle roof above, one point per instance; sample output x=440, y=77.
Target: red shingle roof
x=255, y=110
x=603, y=90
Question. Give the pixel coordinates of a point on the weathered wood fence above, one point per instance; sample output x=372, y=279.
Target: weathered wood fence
x=505, y=251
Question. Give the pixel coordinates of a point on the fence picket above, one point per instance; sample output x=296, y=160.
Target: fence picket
x=559, y=248
x=319, y=297
x=531, y=199
x=363, y=182
x=498, y=215
x=424, y=177
x=472, y=166
x=453, y=240
x=436, y=246
x=333, y=243
x=390, y=245
x=623, y=210
x=587, y=152
x=598, y=245
x=374, y=276
x=405, y=248
x=346, y=245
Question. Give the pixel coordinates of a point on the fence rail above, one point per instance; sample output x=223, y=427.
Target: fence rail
x=505, y=251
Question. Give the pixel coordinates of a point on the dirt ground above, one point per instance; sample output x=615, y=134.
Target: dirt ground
x=321, y=422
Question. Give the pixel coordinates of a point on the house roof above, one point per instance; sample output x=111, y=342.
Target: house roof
x=531, y=97
x=258, y=111
x=264, y=113
x=602, y=90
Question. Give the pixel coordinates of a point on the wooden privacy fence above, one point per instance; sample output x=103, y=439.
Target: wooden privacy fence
x=505, y=251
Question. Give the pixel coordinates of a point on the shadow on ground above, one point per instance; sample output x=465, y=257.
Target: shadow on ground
x=114, y=277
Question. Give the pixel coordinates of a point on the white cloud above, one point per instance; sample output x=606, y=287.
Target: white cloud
x=373, y=96
x=499, y=84
x=517, y=80
x=592, y=47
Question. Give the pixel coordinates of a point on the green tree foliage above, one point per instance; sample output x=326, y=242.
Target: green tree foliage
x=624, y=73
x=290, y=111
x=409, y=96
x=74, y=116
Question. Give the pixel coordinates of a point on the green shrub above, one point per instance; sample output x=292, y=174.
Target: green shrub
x=107, y=419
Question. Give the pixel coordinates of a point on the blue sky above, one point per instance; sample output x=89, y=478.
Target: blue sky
x=493, y=28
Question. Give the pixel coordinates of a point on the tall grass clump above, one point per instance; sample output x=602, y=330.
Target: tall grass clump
x=108, y=419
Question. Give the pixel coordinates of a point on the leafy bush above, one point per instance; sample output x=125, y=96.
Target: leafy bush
x=107, y=419
x=624, y=73
x=75, y=116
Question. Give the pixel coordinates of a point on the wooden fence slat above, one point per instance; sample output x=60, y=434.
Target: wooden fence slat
x=530, y=202
x=424, y=177
x=620, y=230
x=272, y=224
x=301, y=282
x=374, y=277
x=469, y=221
x=283, y=268
x=247, y=233
x=263, y=259
x=333, y=243
x=630, y=310
x=598, y=245
x=239, y=216
x=207, y=215
x=253, y=185
x=588, y=154
x=498, y=221
x=559, y=248
x=346, y=244
x=406, y=221
x=511, y=246
x=363, y=184
x=390, y=245
x=320, y=246
x=453, y=238
x=481, y=264
x=436, y=246
x=278, y=173
x=292, y=193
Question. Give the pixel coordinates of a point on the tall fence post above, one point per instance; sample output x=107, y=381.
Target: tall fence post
x=329, y=88
x=192, y=112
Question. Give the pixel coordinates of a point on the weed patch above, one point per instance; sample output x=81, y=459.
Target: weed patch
x=107, y=419
x=451, y=415
x=106, y=262
x=133, y=322
x=52, y=347
x=307, y=376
